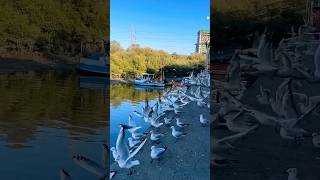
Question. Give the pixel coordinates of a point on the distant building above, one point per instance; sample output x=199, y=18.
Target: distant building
x=203, y=41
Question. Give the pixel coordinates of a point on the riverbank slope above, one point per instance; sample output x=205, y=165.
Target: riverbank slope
x=10, y=65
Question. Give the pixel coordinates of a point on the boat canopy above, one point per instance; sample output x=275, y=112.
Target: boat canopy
x=147, y=75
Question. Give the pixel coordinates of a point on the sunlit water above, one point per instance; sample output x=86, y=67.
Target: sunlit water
x=45, y=119
x=124, y=100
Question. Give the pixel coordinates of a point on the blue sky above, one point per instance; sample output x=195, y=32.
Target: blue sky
x=170, y=25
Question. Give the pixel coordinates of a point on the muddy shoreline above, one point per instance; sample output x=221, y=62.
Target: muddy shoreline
x=10, y=66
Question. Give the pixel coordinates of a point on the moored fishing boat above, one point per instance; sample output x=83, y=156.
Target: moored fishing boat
x=97, y=63
x=149, y=80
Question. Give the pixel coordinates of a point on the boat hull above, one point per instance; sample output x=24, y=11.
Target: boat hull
x=94, y=70
x=156, y=84
x=150, y=87
x=96, y=64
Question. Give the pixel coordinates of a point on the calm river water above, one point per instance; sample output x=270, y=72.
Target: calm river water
x=45, y=119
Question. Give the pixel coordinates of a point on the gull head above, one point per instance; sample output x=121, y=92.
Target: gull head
x=172, y=127
x=112, y=148
x=292, y=171
x=152, y=147
x=130, y=138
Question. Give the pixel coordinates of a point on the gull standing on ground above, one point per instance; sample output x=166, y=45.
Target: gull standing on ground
x=167, y=120
x=316, y=140
x=203, y=121
x=181, y=124
x=292, y=174
x=155, y=136
x=177, y=134
x=155, y=123
x=156, y=153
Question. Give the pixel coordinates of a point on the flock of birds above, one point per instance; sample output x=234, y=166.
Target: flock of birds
x=289, y=105
x=195, y=88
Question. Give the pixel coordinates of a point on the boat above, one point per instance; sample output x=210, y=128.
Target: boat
x=159, y=88
x=149, y=80
x=96, y=63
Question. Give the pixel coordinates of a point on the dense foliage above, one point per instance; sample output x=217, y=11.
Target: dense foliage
x=52, y=26
x=235, y=23
x=136, y=60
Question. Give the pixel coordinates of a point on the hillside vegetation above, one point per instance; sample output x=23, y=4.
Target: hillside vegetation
x=52, y=27
x=137, y=60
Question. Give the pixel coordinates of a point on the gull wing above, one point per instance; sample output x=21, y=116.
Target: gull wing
x=134, y=129
x=159, y=150
x=239, y=135
x=309, y=111
x=138, y=114
x=137, y=150
x=89, y=165
x=253, y=59
x=301, y=97
x=131, y=122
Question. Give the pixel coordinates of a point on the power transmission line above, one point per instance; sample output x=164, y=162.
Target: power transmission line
x=132, y=35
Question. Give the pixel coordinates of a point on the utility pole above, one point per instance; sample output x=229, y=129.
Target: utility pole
x=132, y=35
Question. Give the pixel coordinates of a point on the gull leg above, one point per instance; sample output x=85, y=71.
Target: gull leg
x=130, y=172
